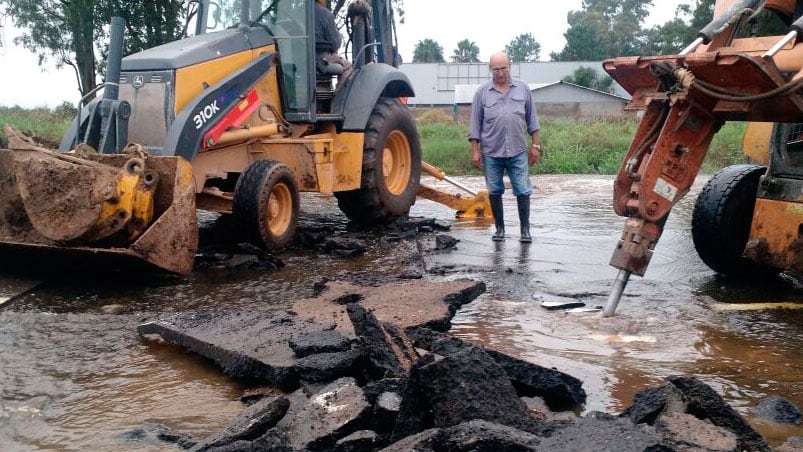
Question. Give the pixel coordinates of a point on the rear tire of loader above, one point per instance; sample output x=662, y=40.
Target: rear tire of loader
x=266, y=204
x=391, y=169
x=721, y=221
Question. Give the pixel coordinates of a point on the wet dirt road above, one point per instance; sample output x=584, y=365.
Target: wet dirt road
x=75, y=376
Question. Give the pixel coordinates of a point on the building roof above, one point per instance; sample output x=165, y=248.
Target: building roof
x=464, y=94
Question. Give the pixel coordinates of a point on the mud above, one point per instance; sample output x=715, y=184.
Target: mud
x=75, y=375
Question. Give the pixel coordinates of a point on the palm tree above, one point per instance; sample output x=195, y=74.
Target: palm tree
x=428, y=51
x=466, y=52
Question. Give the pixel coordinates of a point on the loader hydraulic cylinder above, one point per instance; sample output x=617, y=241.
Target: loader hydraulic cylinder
x=112, y=86
x=107, y=127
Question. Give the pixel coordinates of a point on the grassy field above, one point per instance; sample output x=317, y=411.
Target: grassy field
x=47, y=126
x=570, y=146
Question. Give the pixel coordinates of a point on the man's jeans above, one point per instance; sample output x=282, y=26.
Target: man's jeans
x=518, y=171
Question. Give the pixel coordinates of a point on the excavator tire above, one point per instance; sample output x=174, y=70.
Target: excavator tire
x=391, y=169
x=721, y=221
x=266, y=204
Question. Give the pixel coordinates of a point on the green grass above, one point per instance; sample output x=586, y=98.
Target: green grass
x=570, y=146
x=47, y=126
x=726, y=148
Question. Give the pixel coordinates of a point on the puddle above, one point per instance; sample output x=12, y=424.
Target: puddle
x=75, y=376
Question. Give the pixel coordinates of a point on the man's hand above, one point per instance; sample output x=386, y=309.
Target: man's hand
x=535, y=154
x=476, y=158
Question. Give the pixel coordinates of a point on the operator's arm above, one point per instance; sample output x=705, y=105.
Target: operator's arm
x=327, y=38
x=475, y=128
x=334, y=35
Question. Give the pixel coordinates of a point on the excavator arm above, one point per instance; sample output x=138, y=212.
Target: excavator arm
x=686, y=98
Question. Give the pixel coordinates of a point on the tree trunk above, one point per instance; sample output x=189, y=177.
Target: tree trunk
x=80, y=16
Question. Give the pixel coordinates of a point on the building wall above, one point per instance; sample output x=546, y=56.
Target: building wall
x=561, y=100
x=434, y=82
x=569, y=110
x=584, y=110
x=565, y=92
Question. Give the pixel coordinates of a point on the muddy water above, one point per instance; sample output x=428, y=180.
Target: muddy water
x=75, y=376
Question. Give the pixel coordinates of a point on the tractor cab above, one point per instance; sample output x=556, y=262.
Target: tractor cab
x=291, y=25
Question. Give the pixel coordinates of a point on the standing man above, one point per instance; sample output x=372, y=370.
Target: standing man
x=327, y=38
x=502, y=115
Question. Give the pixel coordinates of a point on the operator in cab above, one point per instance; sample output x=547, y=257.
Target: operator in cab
x=327, y=39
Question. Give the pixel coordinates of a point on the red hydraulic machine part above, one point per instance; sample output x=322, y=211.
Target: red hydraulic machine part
x=686, y=98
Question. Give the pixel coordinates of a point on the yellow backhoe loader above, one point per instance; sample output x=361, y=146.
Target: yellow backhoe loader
x=748, y=219
x=238, y=118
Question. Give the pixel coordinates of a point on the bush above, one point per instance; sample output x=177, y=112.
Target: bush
x=434, y=116
x=66, y=110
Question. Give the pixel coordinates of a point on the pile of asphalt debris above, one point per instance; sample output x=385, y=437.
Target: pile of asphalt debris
x=366, y=368
x=368, y=365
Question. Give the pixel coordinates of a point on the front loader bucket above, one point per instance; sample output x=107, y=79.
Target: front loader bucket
x=98, y=208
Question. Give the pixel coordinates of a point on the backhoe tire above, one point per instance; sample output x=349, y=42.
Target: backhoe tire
x=266, y=205
x=721, y=221
x=391, y=168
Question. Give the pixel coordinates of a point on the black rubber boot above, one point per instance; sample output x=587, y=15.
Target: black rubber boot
x=524, y=218
x=499, y=217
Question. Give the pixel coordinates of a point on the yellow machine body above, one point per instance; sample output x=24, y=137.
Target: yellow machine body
x=238, y=121
x=775, y=235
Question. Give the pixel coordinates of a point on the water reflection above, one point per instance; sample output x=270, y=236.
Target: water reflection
x=664, y=326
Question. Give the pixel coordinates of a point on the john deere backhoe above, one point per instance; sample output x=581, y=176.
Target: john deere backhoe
x=748, y=220
x=238, y=119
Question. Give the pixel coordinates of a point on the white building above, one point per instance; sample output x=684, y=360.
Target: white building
x=434, y=83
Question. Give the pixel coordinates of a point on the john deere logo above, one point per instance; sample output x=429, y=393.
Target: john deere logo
x=138, y=81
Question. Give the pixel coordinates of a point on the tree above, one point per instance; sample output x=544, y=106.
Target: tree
x=590, y=78
x=581, y=44
x=674, y=35
x=2, y=23
x=428, y=51
x=604, y=29
x=669, y=38
x=65, y=32
x=523, y=47
x=149, y=23
x=466, y=52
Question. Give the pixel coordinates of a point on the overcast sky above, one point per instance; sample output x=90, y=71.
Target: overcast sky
x=23, y=83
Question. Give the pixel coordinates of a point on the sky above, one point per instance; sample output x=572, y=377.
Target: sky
x=24, y=83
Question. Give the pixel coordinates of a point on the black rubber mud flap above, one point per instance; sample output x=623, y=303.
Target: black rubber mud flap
x=266, y=205
x=721, y=221
x=391, y=139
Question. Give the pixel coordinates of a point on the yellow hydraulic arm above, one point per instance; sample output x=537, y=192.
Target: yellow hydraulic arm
x=478, y=206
